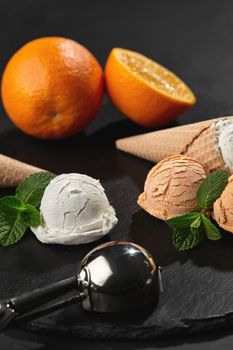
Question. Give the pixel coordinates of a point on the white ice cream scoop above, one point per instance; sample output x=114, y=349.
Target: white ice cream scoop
x=224, y=133
x=75, y=210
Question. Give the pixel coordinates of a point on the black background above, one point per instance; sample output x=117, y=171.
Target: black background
x=192, y=38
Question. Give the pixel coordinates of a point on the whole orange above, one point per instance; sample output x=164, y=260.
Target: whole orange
x=52, y=87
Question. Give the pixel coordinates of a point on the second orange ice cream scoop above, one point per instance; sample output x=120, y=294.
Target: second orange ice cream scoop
x=171, y=187
x=223, y=207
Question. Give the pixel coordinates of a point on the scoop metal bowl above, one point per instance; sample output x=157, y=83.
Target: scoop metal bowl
x=113, y=277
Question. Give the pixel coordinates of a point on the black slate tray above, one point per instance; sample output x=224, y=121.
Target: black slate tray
x=197, y=285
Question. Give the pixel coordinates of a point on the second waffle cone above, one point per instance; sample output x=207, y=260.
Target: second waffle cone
x=196, y=140
x=12, y=171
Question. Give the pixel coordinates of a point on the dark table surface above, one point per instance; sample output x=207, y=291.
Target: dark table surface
x=192, y=38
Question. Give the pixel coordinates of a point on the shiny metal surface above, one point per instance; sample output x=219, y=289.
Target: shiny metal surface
x=119, y=276
x=113, y=277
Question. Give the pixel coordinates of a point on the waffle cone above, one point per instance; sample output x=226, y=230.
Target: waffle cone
x=12, y=171
x=196, y=140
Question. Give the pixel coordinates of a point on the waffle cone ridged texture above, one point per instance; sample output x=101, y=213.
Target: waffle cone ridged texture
x=12, y=171
x=196, y=140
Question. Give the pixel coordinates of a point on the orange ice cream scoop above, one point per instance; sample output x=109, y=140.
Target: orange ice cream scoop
x=171, y=187
x=223, y=207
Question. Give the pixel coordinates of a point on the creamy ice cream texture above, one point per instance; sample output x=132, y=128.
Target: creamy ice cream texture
x=224, y=141
x=223, y=207
x=75, y=210
x=171, y=187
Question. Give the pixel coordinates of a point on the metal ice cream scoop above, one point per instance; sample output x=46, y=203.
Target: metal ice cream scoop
x=113, y=277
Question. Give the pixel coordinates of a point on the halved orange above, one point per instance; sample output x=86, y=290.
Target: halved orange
x=143, y=90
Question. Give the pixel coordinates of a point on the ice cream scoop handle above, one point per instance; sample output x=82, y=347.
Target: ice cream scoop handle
x=30, y=300
x=16, y=308
x=31, y=315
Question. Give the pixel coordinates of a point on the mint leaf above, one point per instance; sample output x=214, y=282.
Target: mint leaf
x=31, y=216
x=19, y=212
x=196, y=223
x=190, y=229
x=9, y=203
x=212, y=232
x=187, y=232
x=211, y=188
x=15, y=217
x=32, y=189
x=186, y=239
x=12, y=227
x=183, y=221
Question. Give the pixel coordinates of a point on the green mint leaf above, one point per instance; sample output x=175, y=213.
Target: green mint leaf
x=12, y=227
x=15, y=217
x=32, y=189
x=9, y=203
x=211, y=188
x=31, y=216
x=183, y=221
x=196, y=223
x=186, y=239
x=212, y=232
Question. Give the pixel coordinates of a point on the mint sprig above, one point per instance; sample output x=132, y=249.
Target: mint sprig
x=191, y=229
x=32, y=188
x=212, y=232
x=211, y=188
x=183, y=240
x=19, y=212
x=183, y=221
x=11, y=230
